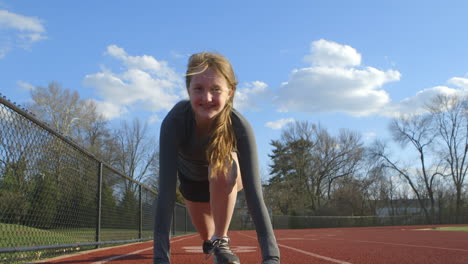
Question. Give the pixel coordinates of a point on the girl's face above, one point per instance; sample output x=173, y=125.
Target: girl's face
x=209, y=93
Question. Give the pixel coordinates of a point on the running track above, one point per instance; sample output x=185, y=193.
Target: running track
x=318, y=246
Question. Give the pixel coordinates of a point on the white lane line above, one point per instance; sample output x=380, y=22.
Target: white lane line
x=122, y=256
x=315, y=255
x=399, y=244
x=307, y=253
x=183, y=238
x=296, y=238
x=137, y=252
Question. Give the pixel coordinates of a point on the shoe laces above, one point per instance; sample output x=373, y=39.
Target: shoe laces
x=220, y=245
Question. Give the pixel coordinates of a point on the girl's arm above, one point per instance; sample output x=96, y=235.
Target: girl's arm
x=166, y=195
x=250, y=174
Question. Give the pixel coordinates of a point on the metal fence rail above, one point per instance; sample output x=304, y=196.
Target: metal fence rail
x=56, y=197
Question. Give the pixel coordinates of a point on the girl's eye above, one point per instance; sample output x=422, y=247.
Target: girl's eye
x=216, y=90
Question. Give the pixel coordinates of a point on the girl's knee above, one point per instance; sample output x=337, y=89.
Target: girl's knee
x=231, y=178
x=221, y=180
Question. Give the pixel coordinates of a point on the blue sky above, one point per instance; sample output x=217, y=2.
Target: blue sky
x=343, y=64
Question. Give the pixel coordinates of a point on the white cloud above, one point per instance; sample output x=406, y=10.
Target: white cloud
x=110, y=110
x=250, y=95
x=154, y=119
x=324, y=89
x=146, y=83
x=460, y=82
x=337, y=82
x=145, y=63
x=19, y=31
x=331, y=54
x=25, y=86
x=333, y=86
x=416, y=105
x=279, y=124
x=178, y=55
x=22, y=23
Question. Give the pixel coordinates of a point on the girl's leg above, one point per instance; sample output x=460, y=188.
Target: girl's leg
x=202, y=218
x=223, y=195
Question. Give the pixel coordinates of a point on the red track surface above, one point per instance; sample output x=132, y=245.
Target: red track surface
x=334, y=245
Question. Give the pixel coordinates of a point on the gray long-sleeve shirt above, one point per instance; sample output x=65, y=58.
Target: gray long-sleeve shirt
x=177, y=132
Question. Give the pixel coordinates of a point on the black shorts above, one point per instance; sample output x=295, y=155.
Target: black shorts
x=194, y=191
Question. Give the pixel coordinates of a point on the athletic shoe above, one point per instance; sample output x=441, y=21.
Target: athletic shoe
x=222, y=252
x=207, y=246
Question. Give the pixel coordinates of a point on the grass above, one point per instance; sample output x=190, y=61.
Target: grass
x=18, y=235
x=12, y=235
x=453, y=228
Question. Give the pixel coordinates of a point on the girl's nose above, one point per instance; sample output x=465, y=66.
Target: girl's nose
x=207, y=96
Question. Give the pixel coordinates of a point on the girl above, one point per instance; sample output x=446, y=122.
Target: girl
x=211, y=148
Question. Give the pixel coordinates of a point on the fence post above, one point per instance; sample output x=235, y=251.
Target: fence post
x=140, y=215
x=99, y=204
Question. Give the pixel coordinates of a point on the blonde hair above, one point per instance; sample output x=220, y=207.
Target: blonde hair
x=222, y=138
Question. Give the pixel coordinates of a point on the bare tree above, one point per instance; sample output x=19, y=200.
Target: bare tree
x=378, y=186
x=451, y=122
x=60, y=108
x=341, y=159
x=415, y=131
x=94, y=133
x=137, y=153
x=73, y=117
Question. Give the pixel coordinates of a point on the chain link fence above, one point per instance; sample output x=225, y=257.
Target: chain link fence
x=301, y=222
x=55, y=197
